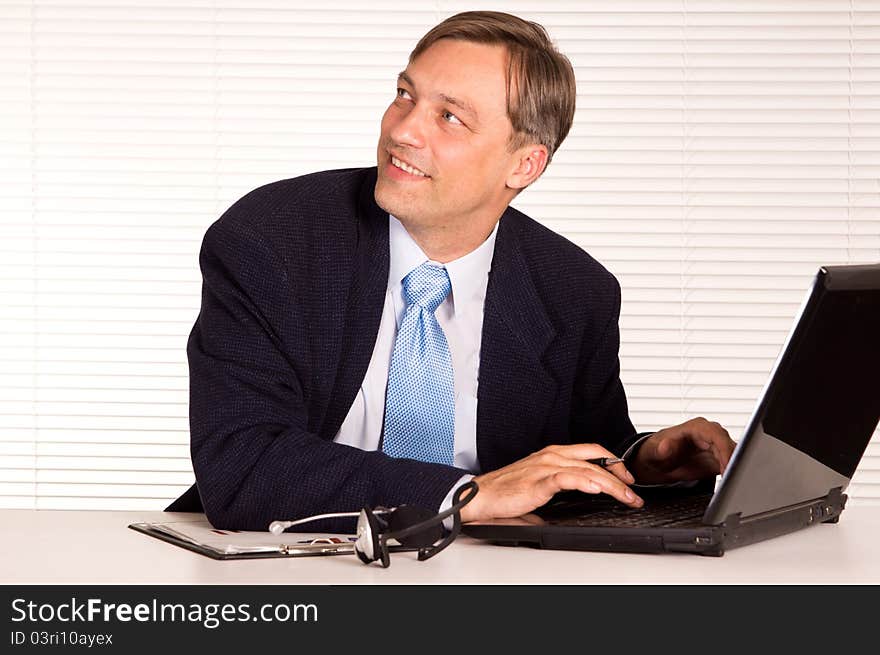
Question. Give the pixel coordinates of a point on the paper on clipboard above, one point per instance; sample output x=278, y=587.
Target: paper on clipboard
x=200, y=536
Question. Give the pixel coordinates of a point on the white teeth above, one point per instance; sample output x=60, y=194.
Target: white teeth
x=406, y=167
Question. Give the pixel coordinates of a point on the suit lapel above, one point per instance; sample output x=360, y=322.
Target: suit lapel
x=364, y=308
x=515, y=388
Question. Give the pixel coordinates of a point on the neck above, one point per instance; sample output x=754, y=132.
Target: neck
x=444, y=244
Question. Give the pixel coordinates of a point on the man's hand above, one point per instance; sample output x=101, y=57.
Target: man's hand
x=530, y=482
x=694, y=450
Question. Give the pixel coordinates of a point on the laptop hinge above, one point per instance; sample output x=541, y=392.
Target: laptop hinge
x=833, y=499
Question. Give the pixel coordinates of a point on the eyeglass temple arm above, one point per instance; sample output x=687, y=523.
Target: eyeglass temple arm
x=277, y=527
x=457, y=504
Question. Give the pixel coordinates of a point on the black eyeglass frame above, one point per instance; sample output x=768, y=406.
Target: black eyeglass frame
x=426, y=552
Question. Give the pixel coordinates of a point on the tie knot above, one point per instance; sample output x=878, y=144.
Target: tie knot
x=426, y=286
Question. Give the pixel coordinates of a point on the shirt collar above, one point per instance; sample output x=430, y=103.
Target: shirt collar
x=468, y=274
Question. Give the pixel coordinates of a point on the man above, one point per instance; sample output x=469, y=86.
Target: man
x=378, y=336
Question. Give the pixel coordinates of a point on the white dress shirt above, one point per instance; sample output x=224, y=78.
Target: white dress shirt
x=461, y=317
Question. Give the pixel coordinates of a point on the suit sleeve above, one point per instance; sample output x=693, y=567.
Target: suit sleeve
x=600, y=411
x=254, y=456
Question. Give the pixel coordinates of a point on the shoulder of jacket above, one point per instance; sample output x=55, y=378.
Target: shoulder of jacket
x=554, y=253
x=298, y=199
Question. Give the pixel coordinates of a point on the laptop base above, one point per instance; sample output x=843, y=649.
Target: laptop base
x=712, y=540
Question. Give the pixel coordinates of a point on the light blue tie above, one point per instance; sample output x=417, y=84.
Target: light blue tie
x=420, y=399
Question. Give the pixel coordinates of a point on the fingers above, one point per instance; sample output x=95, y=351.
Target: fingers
x=576, y=455
x=521, y=486
x=621, y=472
x=580, y=451
x=710, y=436
x=591, y=481
x=725, y=448
x=696, y=439
x=569, y=470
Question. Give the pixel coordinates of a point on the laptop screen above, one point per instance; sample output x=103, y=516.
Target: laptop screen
x=827, y=391
x=821, y=405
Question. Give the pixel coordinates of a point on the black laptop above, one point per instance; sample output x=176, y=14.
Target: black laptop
x=789, y=471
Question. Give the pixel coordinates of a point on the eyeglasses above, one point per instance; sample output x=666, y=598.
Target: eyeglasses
x=411, y=526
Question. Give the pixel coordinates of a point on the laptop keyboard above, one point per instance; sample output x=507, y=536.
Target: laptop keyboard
x=683, y=511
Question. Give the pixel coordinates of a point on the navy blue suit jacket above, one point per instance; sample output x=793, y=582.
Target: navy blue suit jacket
x=294, y=279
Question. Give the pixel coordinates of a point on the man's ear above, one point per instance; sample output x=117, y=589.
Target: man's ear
x=531, y=160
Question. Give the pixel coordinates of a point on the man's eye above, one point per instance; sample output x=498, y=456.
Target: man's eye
x=403, y=93
x=449, y=117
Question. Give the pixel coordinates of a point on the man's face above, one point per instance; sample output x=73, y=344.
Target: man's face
x=448, y=122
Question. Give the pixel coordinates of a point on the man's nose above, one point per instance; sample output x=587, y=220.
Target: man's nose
x=410, y=128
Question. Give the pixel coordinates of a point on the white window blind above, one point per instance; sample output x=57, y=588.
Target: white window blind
x=721, y=152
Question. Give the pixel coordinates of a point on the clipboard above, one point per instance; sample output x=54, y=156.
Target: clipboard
x=201, y=537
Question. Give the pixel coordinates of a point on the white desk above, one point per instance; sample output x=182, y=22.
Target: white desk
x=91, y=547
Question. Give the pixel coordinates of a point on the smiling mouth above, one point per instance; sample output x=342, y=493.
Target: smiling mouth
x=412, y=170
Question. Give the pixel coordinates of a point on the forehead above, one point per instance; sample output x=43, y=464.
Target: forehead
x=475, y=72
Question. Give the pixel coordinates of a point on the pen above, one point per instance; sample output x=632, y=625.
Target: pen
x=604, y=461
